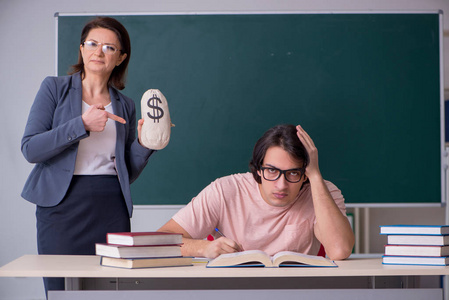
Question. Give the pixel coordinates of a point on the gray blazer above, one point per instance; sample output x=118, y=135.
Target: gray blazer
x=52, y=134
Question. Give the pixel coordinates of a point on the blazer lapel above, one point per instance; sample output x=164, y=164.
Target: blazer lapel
x=118, y=110
x=76, y=95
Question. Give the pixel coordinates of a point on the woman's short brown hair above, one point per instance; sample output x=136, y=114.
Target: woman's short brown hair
x=118, y=75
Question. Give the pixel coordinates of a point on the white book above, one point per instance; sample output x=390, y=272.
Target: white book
x=143, y=238
x=435, y=240
x=415, y=229
x=411, y=250
x=121, y=251
x=415, y=260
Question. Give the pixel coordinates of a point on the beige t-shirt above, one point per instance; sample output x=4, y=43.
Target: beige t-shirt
x=96, y=153
x=234, y=205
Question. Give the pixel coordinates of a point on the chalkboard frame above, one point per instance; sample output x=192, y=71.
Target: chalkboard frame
x=442, y=158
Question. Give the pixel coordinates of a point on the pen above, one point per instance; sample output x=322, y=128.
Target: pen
x=216, y=229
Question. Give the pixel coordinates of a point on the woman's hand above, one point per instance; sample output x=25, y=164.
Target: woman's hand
x=95, y=118
x=139, y=129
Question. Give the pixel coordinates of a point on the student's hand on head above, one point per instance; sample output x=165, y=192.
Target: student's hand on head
x=95, y=118
x=221, y=245
x=308, y=143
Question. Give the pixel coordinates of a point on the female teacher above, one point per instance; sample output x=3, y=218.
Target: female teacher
x=80, y=134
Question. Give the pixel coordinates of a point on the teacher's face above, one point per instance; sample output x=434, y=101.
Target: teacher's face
x=95, y=60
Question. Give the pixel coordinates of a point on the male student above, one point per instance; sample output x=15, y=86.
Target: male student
x=282, y=204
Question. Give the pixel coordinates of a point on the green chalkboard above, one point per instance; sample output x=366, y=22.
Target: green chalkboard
x=366, y=87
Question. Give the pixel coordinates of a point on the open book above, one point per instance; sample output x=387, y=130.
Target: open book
x=257, y=258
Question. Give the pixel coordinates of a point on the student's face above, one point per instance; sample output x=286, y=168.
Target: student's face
x=280, y=192
x=95, y=61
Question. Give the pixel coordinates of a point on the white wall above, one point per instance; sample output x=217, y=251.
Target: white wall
x=27, y=32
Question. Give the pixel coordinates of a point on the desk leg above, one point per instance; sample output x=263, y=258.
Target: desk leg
x=72, y=284
x=445, y=287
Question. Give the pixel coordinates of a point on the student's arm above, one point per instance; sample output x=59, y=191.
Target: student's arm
x=201, y=247
x=332, y=228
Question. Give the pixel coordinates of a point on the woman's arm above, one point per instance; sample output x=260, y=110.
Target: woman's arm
x=43, y=140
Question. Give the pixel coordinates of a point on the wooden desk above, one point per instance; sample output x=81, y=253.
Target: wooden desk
x=352, y=275
x=89, y=267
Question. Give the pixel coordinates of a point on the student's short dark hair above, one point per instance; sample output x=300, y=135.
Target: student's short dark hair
x=118, y=76
x=283, y=136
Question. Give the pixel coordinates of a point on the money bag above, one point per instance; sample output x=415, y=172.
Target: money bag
x=157, y=124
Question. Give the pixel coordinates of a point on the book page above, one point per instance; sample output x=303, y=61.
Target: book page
x=246, y=253
x=289, y=257
x=240, y=258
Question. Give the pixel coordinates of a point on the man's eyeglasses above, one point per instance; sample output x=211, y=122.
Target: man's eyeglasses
x=106, y=48
x=273, y=174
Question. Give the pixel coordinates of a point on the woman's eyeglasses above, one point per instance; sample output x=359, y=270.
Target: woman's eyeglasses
x=106, y=48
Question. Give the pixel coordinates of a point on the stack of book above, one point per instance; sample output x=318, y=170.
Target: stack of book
x=142, y=250
x=416, y=244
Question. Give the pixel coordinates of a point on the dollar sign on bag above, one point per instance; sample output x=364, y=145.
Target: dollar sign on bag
x=158, y=112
